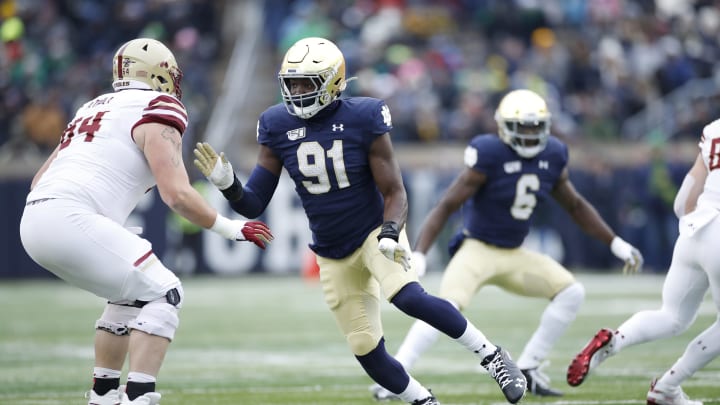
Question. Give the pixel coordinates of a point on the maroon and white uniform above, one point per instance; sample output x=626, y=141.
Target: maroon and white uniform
x=73, y=223
x=694, y=270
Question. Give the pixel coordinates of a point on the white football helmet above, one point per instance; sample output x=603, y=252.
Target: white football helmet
x=146, y=63
x=523, y=121
x=320, y=61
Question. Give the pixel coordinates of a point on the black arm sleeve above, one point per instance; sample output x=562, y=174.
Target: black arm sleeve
x=255, y=195
x=235, y=191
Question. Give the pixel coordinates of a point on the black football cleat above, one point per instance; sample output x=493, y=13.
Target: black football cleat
x=507, y=374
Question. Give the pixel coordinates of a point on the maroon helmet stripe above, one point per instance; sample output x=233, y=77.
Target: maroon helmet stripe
x=119, y=60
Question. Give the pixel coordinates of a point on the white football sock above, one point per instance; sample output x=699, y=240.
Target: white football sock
x=418, y=339
x=476, y=342
x=699, y=352
x=558, y=315
x=137, y=377
x=100, y=372
x=414, y=391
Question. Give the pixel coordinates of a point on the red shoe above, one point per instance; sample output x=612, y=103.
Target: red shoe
x=595, y=352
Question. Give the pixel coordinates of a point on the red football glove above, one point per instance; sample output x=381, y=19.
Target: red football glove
x=257, y=232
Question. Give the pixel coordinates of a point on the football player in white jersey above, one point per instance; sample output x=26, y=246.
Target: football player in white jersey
x=694, y=270
x=116, y=148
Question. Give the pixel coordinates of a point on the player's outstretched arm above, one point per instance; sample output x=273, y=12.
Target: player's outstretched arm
x=215, y=167
x=249, y=200
x=590, y=221
x=465, y=185
x=161, y=145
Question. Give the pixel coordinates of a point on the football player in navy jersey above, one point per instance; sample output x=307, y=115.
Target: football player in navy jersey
x=339, y=154
x=504, y=178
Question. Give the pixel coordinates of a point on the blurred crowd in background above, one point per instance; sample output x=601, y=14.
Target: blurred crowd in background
x=57, y=54
x=441, y=65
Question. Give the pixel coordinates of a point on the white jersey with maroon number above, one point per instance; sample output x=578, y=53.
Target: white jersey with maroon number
x=98, y=163
x=708, y=203
x=695, y=269
x=710, y=151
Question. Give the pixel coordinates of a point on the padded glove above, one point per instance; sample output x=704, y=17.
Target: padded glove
x=628, y=253
x=256, y=232
x=395, y=252
x=214, y=167
x=389, y=246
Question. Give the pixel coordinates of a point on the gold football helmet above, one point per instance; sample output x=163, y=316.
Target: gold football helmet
x=523, y=121
x=320, y=61
x=146, y=63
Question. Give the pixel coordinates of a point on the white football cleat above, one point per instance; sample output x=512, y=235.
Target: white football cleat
x=112, y=397
x=667, y=396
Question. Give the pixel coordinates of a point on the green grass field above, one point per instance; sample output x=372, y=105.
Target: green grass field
x=263, y=340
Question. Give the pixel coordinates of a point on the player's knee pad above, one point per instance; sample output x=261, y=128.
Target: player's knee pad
x=116, y=318
x=362, y=342
x=569, y=300
x=160, y=317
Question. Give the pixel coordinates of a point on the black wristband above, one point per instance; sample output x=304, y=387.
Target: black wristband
x=389, y=230
x=234, y=192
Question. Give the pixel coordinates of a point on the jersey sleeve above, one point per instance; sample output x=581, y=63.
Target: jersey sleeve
x=262, y=130
x=381, y=121
x=564, y=154
x=166, y=110
x=479, y=154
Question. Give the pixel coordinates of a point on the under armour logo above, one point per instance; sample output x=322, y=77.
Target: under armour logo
x=338, y=127
x=543, y=164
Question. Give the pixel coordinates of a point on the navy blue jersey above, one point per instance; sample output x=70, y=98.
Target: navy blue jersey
x=327, y=158
x=500, y=212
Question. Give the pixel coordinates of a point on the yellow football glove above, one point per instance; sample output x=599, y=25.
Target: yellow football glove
x=214, y=167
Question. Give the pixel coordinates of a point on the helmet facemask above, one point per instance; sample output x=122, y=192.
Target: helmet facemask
x=306, y=105
x=527, y=138
x=168, y=81
x=523, y=121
